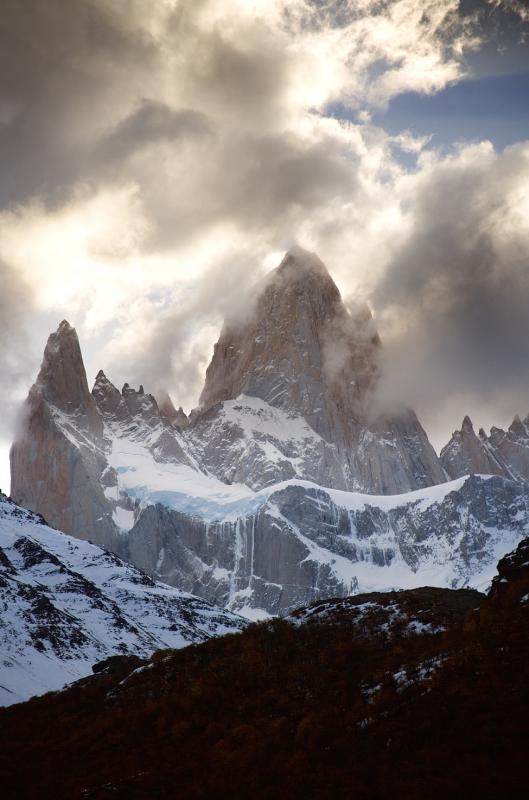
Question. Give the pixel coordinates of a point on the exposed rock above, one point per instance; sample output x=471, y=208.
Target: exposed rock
x=304, y=543
x=303, y=353
x=176, y=416
x=391, y=615
x=502, y=453
x=513, y=574
x=467, y=454
x=57, y=459
x=108, y=399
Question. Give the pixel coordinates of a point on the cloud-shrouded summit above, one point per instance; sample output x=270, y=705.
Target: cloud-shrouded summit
x=159, y=159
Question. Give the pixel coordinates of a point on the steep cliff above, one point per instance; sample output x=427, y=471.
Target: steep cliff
x=313, y=365
x=57, y=459
x=502, y=453
x=296, y=543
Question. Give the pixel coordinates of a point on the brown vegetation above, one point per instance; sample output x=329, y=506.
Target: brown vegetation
x=279, y=711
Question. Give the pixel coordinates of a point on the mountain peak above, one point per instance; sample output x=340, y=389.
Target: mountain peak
x=65, y=327
x=105, y=394
x=298, y=340
x=297, y=260
x=467, y=425
x=62, y=377
x=168, y=410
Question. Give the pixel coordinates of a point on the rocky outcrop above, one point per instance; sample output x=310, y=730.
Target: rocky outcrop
x=502, y=453
x=300, y=350
x=134, y=414
x=57, y=459
x=177, y=417
x=391, y=615
x=512, y=447
x=467, y=453
x=513, y=575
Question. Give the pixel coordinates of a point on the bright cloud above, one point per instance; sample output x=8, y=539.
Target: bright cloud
x=160, y=159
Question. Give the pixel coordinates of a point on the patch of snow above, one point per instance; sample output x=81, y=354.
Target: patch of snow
x=66, y=604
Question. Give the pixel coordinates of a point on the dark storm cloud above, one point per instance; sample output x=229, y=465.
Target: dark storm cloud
x=62, y=64
x=246, y=76
x=150, y=123
x=212, y=126
x=459, y=287
x=71, y=112
x=265, y=185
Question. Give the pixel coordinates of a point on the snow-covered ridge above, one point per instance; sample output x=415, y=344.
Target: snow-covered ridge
x=66, y=604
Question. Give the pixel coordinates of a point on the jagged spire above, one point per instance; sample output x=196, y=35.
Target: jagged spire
x=62, y=376
x=467, y=425
x=300, y=260
x=106, y=395
x=168, y=410
x=517, y=426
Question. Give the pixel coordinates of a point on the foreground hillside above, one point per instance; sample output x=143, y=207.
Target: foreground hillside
x=66, y=604
x=413, y=694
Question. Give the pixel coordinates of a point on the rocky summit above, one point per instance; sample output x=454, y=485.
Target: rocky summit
x=303, y=353
x=284, y=486
x=501, y=453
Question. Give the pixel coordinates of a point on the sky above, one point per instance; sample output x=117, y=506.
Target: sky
x=158, y=158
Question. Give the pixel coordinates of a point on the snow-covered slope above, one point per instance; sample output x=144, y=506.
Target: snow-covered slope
x=66, y=604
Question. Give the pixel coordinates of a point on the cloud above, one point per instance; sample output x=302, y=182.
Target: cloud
x=453, y=300
x=152, y=122
x=68, y=71
x=173, y=344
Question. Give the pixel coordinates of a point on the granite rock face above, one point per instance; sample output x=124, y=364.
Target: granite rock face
x=502, y=453
x=57, y=462
x=303, y=353
x=61, y=460
x=167, y=409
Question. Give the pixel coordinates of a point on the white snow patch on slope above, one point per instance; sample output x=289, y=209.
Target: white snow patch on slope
x=66, y=604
